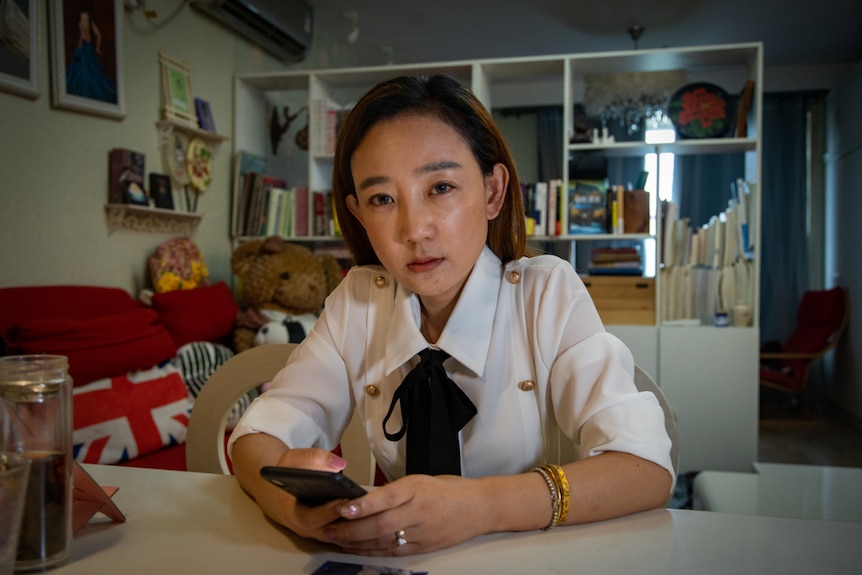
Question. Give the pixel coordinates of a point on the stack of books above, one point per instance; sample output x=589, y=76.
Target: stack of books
x=616, y=261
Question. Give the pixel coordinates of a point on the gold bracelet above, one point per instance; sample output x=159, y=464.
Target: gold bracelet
x=562, y=484
x=555, y=497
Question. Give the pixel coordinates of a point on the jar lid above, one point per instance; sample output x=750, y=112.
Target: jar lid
x=32, y=378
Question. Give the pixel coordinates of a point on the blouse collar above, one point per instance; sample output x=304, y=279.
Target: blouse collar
x=467, y=334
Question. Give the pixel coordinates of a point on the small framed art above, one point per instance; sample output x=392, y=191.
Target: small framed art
x=205, y=115
x=160, y=191
x=20, y=47
x=87, y=57
x=177, y=89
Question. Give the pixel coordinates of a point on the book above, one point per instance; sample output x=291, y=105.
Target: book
x=636, y=212
x=126, y=177
x=587, y=207
x=743, y=109
x=554, y=187
x=160, y=191
x=205, y=115
x=258, y=186
x=616, y=261
x=301, y=211
x=528, y=191
x=318, y=206
x=244, y=163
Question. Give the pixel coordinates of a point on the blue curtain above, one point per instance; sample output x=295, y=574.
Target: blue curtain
x=549, y=128
x=784, y=203
x=702, y=184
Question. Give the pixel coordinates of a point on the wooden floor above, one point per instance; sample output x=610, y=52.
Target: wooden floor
x=809, y=436
x=795, y=434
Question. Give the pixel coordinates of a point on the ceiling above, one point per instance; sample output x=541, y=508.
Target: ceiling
x=793, y=32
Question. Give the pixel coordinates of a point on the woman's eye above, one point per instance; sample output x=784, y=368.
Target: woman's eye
x=380, y=200
x=442, y=188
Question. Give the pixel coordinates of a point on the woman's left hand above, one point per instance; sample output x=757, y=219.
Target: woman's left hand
x=432, y=512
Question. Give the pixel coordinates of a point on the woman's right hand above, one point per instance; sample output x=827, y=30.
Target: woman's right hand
x=251, y=452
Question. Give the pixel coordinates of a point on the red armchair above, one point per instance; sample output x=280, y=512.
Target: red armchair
x=820, y=321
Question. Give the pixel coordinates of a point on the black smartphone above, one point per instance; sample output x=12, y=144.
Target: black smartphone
x=312, y=487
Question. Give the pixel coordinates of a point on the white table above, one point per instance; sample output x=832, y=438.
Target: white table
x=194, y=523
x=784, y=490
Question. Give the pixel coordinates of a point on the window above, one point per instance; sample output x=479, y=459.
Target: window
x=660, y=181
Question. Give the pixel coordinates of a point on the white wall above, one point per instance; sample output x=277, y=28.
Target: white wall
x=54, y=163
x=843, y=235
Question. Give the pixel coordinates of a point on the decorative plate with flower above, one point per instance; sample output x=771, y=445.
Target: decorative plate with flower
x=701, y=110
x=199, y=164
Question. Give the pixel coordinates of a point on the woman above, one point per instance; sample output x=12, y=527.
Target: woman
x=429, y=203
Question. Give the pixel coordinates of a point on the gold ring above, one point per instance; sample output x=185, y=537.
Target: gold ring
x=400, y=539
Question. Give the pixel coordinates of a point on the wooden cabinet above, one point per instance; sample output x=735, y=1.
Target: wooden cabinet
x=709, y=373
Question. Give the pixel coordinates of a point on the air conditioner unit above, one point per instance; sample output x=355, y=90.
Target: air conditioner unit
x=283, y=28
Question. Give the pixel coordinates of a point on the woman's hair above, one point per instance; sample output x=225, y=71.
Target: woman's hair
x=441, y=96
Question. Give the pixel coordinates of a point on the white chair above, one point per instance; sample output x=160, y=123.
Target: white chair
x=244, y=371
x=644, y=382
x=241, y=373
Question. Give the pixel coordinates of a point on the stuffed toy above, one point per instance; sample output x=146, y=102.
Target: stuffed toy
x=283, y=288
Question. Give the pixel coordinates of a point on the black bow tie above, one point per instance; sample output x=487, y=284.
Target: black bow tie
x=433, y=410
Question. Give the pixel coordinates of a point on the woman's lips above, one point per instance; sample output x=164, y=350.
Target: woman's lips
x=424, y=265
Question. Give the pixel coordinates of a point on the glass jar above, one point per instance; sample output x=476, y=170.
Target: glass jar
x=36, y=396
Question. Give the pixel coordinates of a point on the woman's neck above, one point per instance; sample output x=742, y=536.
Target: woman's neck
x=434, y=319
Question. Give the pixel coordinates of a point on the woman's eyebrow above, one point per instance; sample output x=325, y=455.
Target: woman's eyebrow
x=372, y=181
x=426, y=169
x=437, y=166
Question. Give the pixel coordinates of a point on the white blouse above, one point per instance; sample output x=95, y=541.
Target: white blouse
x=526, y=345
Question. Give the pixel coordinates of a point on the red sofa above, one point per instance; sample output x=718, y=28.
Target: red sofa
x=114, y=342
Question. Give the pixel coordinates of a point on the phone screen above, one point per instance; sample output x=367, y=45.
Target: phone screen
x=312, y=487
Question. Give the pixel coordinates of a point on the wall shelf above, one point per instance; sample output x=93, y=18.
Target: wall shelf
x=167, y=128
x=154, y=220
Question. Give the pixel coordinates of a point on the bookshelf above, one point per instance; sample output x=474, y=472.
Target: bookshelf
x=708, y=373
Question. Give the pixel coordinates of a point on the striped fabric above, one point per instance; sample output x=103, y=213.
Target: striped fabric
x=197, y=361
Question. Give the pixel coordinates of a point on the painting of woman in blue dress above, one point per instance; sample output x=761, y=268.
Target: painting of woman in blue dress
x=85, y=75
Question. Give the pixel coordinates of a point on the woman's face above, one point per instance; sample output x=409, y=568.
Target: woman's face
x=424, y=203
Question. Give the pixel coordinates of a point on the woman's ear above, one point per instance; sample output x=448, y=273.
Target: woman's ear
x=353, y=206
x=496, y=185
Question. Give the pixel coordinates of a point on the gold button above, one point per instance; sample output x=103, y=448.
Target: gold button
x=514, y=277
x=527, y=385
x=372, y=390
x=381, y=281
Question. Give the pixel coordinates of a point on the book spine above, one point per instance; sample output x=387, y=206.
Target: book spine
x=302, y=210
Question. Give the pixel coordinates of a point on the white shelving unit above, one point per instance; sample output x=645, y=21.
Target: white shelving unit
x=709, y=374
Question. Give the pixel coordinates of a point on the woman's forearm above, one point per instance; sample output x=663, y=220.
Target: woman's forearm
x=249, y=454
x=601, y=487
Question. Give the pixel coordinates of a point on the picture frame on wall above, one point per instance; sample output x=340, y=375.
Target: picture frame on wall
x=179, y=105
x=20, y=47
x=87, y=66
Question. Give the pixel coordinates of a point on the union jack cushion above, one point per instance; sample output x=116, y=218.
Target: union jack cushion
x=124, y=417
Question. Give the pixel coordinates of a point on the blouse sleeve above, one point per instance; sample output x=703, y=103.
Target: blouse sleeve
x=591, y=374
x=309, y=402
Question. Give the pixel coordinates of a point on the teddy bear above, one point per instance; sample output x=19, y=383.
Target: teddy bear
x=283, y=288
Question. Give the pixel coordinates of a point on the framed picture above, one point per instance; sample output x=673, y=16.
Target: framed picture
x=205, y=115
x=177, y=88
x=20, y=47
x=87, y=56
x=160, y=191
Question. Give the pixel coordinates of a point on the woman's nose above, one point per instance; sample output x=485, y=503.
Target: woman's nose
x=415, y=221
